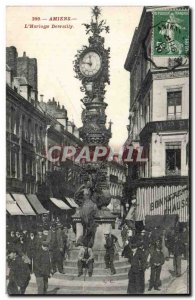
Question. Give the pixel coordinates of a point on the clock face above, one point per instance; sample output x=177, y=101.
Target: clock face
x=90, y=64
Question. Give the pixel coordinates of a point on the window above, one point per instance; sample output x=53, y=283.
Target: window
x=8, y=165
x=173, y=158
x=13, y=164
x=13, y=120
x=174, y=105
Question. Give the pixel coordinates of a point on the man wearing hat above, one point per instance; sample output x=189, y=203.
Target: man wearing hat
x=110, y=247
x=85, y=260
x=156, y=261
x=56, y=248
x=39, y=238
x=137, y=270
x=42, y=268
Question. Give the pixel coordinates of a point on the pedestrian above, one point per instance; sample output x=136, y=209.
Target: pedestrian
x=42, y=268
x=85, y=260
x=169, y=240
x=127, y=252
x=46, y=234
x=124, y=234
x=22, y=244
x=11, y=241
x=185, y=242
x=19, y=275
x=136, y=273
x=60, y=242
x=177, y=252
x=65, y=241
x=31, y=249
x=110, y=249
x=71, y=237
x=156, y=261
x=39, y=238
x=56, y=250
x=164, y=248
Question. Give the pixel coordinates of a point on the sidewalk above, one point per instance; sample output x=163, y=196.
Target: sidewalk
x=170, y=284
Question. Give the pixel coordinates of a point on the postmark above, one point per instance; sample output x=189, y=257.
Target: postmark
x=170, y=32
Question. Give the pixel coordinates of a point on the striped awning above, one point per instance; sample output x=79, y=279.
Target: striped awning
x=114, y=205
x=131, y=214
x=72, y=202
x=60, y=204
x=161, y=200
x=24, y=204
x=34, y=201
x=12, y=207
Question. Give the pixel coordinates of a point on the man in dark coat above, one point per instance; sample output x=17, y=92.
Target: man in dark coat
x=127, y=252
x=137, y=270
x=39, y=238
x=156, y=261
x=19, y=275
x=110, y=248
x=42, y=268
x=56, y=249
x=11, y=241
x=31, y=249
x=156, y=236
x=177, y=252
x=185, y=242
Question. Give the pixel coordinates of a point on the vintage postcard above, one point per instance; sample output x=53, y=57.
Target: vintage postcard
x=97, y=150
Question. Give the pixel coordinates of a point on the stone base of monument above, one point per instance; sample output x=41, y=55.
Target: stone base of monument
x=105, y=221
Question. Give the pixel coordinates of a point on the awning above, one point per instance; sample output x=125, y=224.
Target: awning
x=72, y=202
x=59, y=203
x=12, y=207
x=24, y=205
x=34, y=201
x=162, y=200
x=114, y=205
x=131, y=214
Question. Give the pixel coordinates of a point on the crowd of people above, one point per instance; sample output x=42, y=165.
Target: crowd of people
x=150, y=249
x=41, y=252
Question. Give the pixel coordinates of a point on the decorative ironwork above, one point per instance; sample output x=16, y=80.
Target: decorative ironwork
x=92, y=68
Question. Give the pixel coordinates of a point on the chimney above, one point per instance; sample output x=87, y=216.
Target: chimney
x=24, y=54
x=41, y=97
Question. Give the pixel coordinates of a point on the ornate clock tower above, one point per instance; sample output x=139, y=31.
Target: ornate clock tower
x=92, y=68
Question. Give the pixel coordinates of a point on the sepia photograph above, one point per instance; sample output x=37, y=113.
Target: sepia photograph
x=98, y=150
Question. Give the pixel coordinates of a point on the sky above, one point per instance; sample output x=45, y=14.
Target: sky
x=55, y=50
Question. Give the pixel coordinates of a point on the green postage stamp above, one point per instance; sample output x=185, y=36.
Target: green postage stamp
x=171, y=32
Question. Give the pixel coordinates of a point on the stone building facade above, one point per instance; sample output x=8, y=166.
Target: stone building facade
x=32, y=127
x=158, y=121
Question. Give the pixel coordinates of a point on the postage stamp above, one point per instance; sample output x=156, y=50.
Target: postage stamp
x=171, y=32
